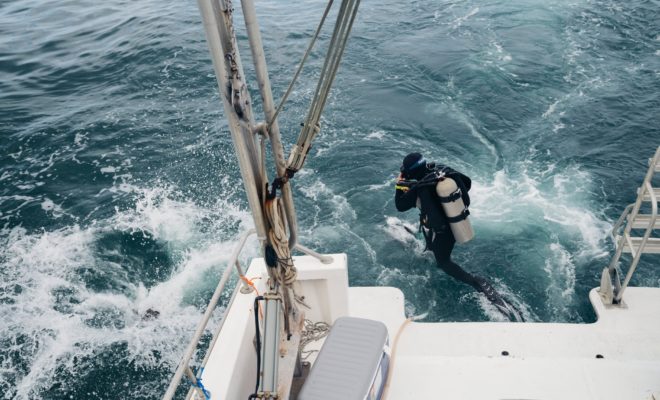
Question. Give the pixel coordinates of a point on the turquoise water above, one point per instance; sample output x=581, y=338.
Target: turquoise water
x=119, y=190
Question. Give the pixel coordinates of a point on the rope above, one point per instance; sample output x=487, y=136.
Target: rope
x=386, y=387
x=313, y=332
x=200, y=385
x=286, y=273
x=343, y=25
x=300, y=66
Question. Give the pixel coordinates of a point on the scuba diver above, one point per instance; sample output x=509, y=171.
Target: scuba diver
x=417, y=186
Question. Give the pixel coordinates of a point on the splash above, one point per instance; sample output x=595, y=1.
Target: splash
x=55, y=313
x=514, y=203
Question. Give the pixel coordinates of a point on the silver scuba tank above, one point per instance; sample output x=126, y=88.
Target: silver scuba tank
x=457, y=213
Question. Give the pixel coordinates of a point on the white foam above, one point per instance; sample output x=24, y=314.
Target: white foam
x=551, y=109
x=485, y=141
x=561, y=272
x=515, y=203
x=557, y=127
x=502, y=55
x=377, y=135
x=493, y=313
x=79, y=140
x=43, y=264
x=401, y=230
x=396, y=277
x=388, y=183
x=318, y=191
x=49, y=206
x=458, y=22
x=26, y=186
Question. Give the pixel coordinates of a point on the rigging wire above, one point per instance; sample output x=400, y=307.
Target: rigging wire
x=345, y=18
x=302, y=63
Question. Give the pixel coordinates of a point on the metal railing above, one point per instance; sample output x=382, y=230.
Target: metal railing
x=184, y=365
x=630, y=213
x=637, y=253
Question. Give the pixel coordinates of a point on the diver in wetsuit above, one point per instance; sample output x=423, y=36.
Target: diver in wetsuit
x=416, y=188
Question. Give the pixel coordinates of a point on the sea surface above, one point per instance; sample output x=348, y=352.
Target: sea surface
x=120, y=192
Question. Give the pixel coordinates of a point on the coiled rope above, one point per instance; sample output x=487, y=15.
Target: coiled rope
x=313, y=332
x=277, y=236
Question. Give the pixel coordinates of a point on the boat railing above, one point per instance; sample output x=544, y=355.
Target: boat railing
x=636, y=246
x=233, y=264
x=184, y=364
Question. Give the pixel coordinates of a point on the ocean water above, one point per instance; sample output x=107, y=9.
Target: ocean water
x=120, y=193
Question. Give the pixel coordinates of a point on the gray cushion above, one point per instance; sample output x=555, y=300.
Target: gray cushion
x=348, y=361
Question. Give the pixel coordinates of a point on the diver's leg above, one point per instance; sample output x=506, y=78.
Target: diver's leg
x=442, y=247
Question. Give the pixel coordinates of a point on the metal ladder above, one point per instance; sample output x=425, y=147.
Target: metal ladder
x=635, y=245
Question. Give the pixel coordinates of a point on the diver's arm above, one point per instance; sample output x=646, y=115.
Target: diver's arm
x=405, y=197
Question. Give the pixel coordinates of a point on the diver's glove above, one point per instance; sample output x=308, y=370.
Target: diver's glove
x=404, y=185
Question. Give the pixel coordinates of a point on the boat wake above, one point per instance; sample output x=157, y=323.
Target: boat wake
x=124, y=292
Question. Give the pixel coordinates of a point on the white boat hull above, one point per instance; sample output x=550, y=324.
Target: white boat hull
x=617, y=357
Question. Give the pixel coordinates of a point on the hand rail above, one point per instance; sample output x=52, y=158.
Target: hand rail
x=201, y=326
x=631, y=212
x=323, y=258
x=619, y=222
x=645, y=238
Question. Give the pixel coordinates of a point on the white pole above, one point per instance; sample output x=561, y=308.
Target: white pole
x=221, y=41
x=256, y=46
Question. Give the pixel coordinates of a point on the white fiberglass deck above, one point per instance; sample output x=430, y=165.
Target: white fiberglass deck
x=545, y=361
x=464, y=360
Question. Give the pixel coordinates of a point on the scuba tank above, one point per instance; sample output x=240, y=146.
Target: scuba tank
x=457, y=213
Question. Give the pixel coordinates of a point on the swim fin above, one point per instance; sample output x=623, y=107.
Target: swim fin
x=506, y=308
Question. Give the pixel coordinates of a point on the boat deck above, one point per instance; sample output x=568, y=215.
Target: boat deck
x=545, y=360
x=617, y=357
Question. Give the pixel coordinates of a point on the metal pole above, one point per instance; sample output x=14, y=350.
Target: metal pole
x=654, y=214
x=229, y=73
x=323, y=258
x=216, y=334
x=183, y=365
x=256, y=46
x=270, y=349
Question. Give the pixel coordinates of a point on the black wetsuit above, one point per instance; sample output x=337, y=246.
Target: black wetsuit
x=439, y=237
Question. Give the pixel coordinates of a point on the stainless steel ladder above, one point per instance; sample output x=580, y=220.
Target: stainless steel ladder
x=635, y=245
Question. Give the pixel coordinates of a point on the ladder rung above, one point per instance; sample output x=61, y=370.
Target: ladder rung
x=647, y=195
x=652, y=245
x=642, y=221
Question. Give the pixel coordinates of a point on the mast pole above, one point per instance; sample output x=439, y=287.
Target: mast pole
x=259, y=58
x=235, y=99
